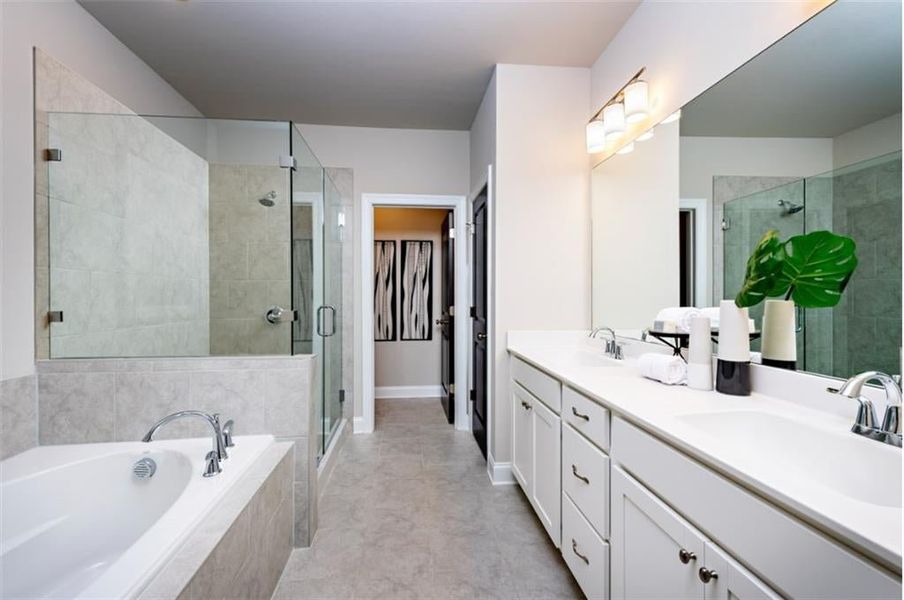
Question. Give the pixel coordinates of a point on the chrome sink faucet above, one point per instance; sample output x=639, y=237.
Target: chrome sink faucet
x=612, y=349
x=213, y=458
x=866, y=422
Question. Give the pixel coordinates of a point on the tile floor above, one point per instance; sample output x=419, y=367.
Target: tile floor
x=410, y=513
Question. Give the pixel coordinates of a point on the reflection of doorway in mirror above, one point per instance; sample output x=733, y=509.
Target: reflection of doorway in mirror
x=696, y=278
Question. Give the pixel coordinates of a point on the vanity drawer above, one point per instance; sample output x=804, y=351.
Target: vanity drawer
x=538, y=383
x=585, y=553
x=586, y=416
x=585, y=478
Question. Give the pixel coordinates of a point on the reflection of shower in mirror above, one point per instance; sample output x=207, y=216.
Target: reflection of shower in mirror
x=269, y=199
x=790, y=208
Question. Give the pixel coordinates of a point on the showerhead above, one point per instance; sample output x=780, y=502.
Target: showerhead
x=269, y=199
x=790, y=208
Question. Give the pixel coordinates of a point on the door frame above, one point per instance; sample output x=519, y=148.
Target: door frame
x=364, y=423
x=703, y=260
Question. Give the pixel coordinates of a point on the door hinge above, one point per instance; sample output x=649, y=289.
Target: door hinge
x=473, y=312
x=451, y=388
x=472, y=395
x=53, y=155
x=287, y=161
x=55, y=316
x=451, y=233
x=341, y=396
x=451, y=310
x=726, y=224
x=471, y=227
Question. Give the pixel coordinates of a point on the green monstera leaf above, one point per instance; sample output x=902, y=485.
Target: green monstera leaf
x=816, y=269
x=764, y=267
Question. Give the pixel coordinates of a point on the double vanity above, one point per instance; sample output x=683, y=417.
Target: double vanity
x=655, y=491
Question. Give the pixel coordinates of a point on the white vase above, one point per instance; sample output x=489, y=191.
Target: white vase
x=733, y=365
x=779, y=344
x=700, y=355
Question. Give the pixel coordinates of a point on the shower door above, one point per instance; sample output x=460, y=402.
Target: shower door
x=329, y=315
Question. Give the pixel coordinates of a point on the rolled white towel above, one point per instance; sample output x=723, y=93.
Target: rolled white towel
x=670, y=370
x=680, y=315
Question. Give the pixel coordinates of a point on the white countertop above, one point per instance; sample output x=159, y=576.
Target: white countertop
x=818, y=455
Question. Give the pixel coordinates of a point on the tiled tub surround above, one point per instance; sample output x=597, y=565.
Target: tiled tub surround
x=241, y=550
x=249, y=259
x=121, y=227
x=127, y=528
x=18, y=415
x=105, y=400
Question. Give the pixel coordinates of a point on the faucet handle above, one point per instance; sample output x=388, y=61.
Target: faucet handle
x=892, y=421
x=866, y=414
x=227, y=433
x=212, y=466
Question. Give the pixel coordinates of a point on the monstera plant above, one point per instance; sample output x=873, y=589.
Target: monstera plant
x=812, y=269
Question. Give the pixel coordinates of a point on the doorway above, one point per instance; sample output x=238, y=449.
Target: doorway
x=410, y=324
x=479, y=320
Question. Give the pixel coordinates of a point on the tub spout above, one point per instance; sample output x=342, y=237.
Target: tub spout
x=219, y=449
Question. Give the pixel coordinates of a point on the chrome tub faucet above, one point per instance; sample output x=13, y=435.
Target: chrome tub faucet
x=213, y=458
x=866, y=423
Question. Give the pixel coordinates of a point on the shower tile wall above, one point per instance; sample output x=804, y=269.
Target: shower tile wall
x=249, y=259
x=867, y=322
x=121, y=235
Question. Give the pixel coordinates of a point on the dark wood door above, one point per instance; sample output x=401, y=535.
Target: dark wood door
x=479, y=323
x=446, y=320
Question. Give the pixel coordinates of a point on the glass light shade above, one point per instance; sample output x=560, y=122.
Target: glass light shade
x=614, y=121
x=672, y=117
x=636, y=101
x=626, y=149
x=596, y=137
x=646, y=135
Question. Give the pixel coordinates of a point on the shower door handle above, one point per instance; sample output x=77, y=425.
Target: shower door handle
x=320, y=331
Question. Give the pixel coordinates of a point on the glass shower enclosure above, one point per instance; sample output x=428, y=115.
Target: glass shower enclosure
x=861, y=201
x=176, y=236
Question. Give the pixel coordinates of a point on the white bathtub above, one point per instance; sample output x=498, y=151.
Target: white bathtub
x=76, y=523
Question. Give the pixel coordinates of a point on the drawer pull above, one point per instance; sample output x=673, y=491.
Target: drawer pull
x=525, y=405
x=707, y=575
x=574, y=471
x=575, y=412
x=574, y=548
x=685, y=557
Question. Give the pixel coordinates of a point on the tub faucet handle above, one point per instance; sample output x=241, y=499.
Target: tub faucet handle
x=212, y=466
x=227, y=433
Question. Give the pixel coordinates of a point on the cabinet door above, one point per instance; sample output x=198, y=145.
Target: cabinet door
x=547, y=495
x=522, y=438
x=655, y=553
x=728, y=580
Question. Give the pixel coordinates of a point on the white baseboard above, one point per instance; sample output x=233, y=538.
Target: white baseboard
x=500, y=473
x=409, y=391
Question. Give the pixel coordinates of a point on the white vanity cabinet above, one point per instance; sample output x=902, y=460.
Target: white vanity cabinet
x=537, y=443
x=657, y=554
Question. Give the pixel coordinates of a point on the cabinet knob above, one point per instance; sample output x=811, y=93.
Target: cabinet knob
x=685, y=557
x=707, y=575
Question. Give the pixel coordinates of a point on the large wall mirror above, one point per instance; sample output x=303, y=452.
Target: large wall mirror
x=804, y=137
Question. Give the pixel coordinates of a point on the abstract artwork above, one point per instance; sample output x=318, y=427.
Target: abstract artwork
x=384, y=291
x=417, y=290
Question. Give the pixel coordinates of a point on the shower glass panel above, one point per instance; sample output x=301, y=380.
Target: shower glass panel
x=166, y=236
x=861, y=201
x=331, y=315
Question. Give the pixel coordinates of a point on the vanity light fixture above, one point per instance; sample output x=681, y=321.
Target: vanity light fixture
x=628, y=105
x=646, y=135
x=596, y=137
x=627, y=148
x=672, y=117
x=614, y=121
x=636, y=101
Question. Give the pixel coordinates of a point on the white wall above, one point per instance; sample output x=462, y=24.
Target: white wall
x=687, y=47
x=483, y=136
x=542, y=230
x=872, y=140
x=390, y=161
x=635, y=193
x=408, y=363
x=66, y=31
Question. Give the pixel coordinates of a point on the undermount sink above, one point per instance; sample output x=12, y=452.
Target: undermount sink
x=850, y=465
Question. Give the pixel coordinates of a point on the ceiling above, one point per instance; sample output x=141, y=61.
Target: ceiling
x=837, y=72
x=380, y=64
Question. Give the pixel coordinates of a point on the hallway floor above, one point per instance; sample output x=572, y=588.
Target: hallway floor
x=409, y=512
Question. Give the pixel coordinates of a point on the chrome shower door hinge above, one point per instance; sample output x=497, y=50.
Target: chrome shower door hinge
x=53, y=154
x=341, y=396
x=55, y=316
x=726, y=224
x=287, y=161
